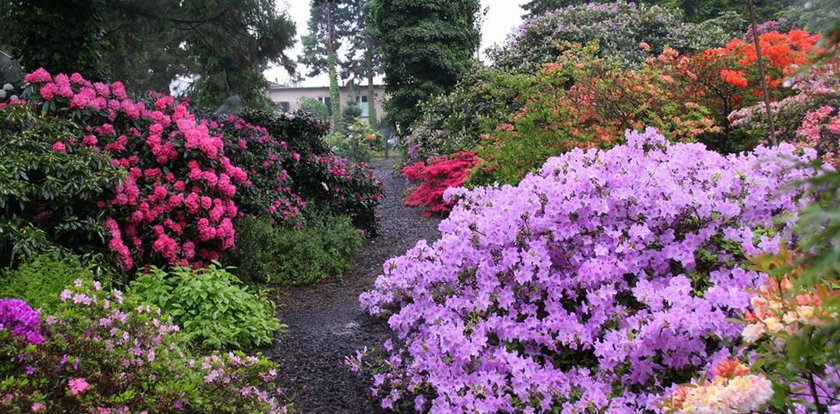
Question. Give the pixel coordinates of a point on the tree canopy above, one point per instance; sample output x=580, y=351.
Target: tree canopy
x=226, y=44
x=426, y=47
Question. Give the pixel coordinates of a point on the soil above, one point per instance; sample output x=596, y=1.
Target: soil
x=326, y=323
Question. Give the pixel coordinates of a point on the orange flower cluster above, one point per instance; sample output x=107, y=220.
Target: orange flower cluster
x=732, y=391
x=779, y=306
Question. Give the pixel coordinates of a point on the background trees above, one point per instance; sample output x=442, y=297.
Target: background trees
x=426, y=46
x=226, y=44
x=341, y=39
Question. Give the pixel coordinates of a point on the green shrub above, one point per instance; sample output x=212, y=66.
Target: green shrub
x=41, y=279
x=48, y=193
x=325, y=246
x=210, y=306
x=340, y=241
x=356, y=142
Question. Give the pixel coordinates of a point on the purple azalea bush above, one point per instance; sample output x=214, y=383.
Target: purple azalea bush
x=20, y=320
x=595, y=285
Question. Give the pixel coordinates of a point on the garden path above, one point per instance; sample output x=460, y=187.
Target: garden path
x=325, y=320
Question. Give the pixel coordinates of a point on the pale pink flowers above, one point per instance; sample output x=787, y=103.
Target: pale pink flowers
x=77, y=385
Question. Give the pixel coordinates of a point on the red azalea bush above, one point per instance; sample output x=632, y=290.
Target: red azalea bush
x=177, y=204
x=437, y=174
x=268, y=192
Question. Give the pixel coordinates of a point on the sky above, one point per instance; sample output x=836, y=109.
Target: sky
x=502, y=18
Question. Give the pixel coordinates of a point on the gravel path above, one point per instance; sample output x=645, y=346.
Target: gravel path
x=325, y=320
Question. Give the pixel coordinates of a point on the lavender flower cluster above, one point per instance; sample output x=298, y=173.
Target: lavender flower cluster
x=20, y=320
x=594, y=285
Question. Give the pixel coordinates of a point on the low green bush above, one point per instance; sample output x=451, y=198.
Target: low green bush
x=213, y=310
x=325, y=246
x=40, y=280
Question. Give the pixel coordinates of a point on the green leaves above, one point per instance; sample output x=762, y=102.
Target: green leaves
x=45, y=194
x=212, y=308
x=426, y=47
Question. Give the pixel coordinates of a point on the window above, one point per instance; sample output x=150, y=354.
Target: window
x=284, y=106
x=362, y=101
x=326, y=101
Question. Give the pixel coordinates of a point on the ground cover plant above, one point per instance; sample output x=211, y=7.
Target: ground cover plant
x=39, y=280
x=595, y=284
x=100, y=352
x=212, y=308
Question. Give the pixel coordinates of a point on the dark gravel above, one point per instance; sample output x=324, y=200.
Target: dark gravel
x=325, y=320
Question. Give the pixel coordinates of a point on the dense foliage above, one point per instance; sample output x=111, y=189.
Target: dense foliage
x=325, y=246
x=227, y=43
x=357, y=141
x=595, y=284
x=210, y=306
x=267, y=192
x=102, y=353
x=617, y=27
x=48, y=197
x=40, y=280
x=443, y=36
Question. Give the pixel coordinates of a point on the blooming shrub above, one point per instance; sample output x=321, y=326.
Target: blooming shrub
x=302, y=131
x=618, y=27
x=436, y=176
x=102, y=354
x=213, y=310
x=733, y=390
x=21, y=321
x=330, y=183
x=584, y=101
x=593, y=285
x=726, y=79
x=267, y=193
x=809, y=118
x=176, y=205
x=339, y=187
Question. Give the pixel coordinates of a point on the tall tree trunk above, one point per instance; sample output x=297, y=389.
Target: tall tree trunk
x=335, y=98
x=374, y=122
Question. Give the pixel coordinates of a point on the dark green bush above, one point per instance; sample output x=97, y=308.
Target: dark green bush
x=48, y=195
x=325, y=246
x=303, y=131
x=213, y=310
x=40, y=280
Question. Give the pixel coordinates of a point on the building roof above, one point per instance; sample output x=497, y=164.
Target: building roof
x=276, y=87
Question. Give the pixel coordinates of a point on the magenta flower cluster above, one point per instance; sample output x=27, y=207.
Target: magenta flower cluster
x=19, y=319
x=267, y=192
x=176, y=206
x=592, y=286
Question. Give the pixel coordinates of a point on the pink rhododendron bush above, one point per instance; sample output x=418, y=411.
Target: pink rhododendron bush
x=268, y=192
x=103, y=353
x=177, y=204
x=597, y=284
